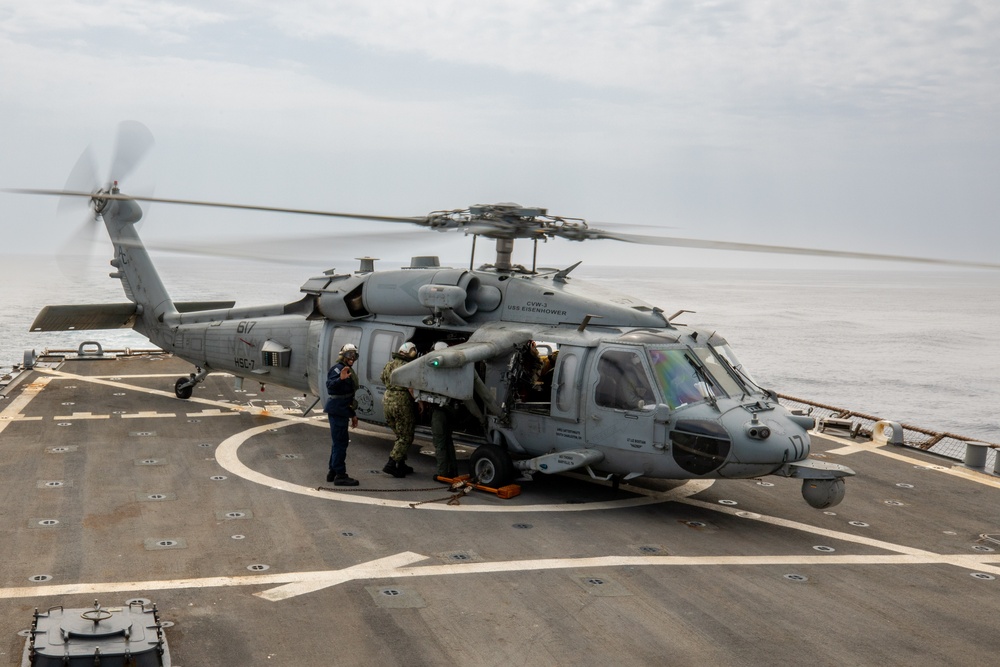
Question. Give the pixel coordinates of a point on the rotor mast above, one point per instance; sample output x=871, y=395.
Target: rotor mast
x=505, y=250
x=504, y=223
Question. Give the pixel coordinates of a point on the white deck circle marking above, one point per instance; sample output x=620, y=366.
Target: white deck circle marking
x=227, y=456
x=403, y=565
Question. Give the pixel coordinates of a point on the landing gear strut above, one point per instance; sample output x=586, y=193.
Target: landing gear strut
x=184, y=387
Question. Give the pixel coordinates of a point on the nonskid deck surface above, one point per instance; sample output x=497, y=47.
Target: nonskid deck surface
x=114, y=490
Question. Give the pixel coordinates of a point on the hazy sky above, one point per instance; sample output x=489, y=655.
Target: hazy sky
x=855, y=124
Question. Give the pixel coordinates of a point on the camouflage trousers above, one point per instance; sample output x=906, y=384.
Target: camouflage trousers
x=399, y=414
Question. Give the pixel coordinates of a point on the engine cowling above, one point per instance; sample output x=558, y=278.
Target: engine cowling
x=417, y=292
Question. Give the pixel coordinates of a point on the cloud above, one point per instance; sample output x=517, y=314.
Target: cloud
x=874, y=58
x=758, y=121
x=157, y=19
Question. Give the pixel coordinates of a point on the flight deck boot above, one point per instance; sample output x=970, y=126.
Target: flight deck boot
x=343, y=479
x=392, y=468
x=405, y=468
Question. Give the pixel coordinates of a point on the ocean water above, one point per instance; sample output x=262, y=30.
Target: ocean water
x=920, y=347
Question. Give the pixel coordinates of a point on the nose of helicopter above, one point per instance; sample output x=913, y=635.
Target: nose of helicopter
x=768, y=438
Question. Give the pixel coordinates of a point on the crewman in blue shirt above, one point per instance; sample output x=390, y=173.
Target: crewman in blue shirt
x=341, y=383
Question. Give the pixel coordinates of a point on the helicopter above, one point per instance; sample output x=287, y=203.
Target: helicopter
x=550, y=374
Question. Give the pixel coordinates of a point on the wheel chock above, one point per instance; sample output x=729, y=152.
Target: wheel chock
x=503, y=492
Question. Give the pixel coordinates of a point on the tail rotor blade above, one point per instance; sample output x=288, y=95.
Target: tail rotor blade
x=133, y=142
x=83, y=178
x=74, y=255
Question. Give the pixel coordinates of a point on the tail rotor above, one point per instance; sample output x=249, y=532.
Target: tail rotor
x=132, y=142
x=131, y=146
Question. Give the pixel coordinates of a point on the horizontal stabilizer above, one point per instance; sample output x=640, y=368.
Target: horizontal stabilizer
x=83, y=317
x=196, y=306
x=106, y=316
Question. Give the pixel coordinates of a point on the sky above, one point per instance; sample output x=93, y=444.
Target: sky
x=852, y=125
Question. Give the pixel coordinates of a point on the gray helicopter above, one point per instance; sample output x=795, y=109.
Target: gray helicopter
x=550, y=374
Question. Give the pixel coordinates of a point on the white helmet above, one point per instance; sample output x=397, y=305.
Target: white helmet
x=349, y=350
x=440, y=345
x=408, y=350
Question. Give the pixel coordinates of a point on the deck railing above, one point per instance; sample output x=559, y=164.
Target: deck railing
x=943, y=443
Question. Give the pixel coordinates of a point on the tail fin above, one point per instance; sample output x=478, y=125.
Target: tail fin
x=150, y=310
x=135, y=269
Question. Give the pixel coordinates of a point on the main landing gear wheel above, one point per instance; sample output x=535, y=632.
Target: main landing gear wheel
x=183, y=388
x=491, y=466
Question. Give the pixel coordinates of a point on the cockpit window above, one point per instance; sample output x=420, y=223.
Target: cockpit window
x=677, y=377
x=718, y=372
x=727, y=353
x=623, y=384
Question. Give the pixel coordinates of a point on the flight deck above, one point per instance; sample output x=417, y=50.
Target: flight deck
x=216, y=509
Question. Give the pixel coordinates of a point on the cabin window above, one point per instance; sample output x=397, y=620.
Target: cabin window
x=341, y=337
x=566, y=389
x=383, y=344
x=677, y=377
x=622, y=382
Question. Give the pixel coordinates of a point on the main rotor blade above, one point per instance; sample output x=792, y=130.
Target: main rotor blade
x=485, y=228
x=215, y=204
x=288, y=250
x=131, y=145
x=221, y=252
x=679, y=242
x=279, y=209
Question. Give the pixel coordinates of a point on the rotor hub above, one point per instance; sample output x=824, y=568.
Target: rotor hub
x=508, y=221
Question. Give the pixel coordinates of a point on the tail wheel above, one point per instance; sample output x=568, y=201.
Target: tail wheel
x=183, y=388
x=491, y=465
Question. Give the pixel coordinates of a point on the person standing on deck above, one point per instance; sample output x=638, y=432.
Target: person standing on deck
x=341, y=383
x=399, y=412
x=441, y=429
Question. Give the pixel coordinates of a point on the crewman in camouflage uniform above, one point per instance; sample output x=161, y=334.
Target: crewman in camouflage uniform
x=442, y=416
x=399, y=412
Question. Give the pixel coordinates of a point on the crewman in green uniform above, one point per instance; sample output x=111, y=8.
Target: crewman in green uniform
x=400, y=409
x=442, y=416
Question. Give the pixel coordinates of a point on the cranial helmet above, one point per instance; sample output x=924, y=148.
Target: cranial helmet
x=440, y=345
x=349, y=350
x=408, y=350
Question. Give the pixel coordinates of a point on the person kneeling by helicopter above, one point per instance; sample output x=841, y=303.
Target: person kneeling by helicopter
x=399, y=412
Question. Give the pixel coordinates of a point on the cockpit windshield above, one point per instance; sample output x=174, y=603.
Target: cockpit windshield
x=716, y=367
x=678, y=377
x=727, y=353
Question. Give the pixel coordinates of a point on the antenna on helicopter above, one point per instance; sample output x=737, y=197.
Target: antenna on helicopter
x=678, y=314
x=586, y=321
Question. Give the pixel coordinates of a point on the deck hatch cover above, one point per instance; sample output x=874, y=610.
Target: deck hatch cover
x=108, y=635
